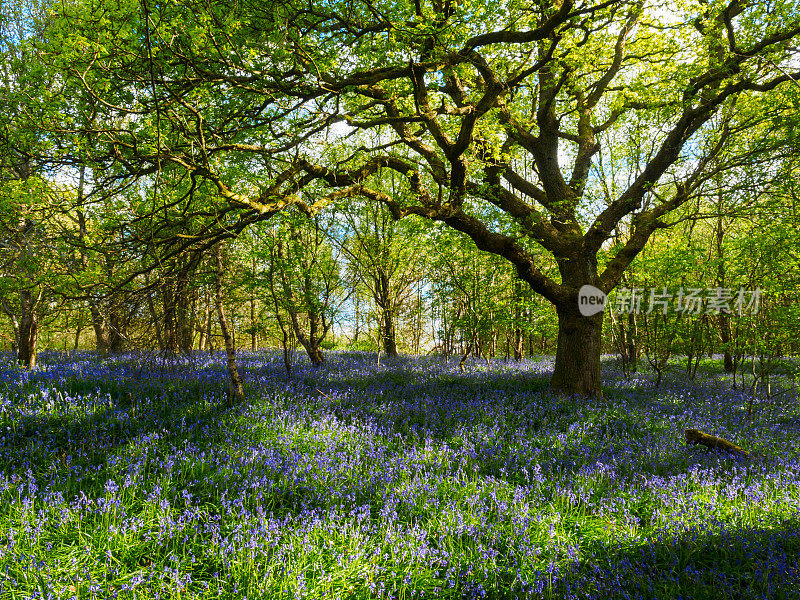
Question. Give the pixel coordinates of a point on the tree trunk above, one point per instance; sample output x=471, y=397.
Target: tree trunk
x=230, y=349
x=418, y=329
x=723, y=319
x=77, y=339
x=28, y=329
x=29, y=337
x=312, y=341
x=631, y=342
x=317, y=328
x=695, y=436
x=577, y=367
x=725, y=336
x=117, y=326
x=384, y=301
x=186, y=313
x=315, y=354
x=253, y=341
x=154, y=318
x=109, y=330
x=169, y=327
x=516, y=300
x=253, y=328
x=358, y=318
x=98, y=322
x=205, y=329
x=389, y=334
x=178, y=325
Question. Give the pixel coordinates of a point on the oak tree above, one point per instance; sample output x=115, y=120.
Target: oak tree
x=494, y=115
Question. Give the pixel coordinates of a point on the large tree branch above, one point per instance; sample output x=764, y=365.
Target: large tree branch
x=531, y=221
x=484, y=239
x=689, y=122
x=545, y=30
x=644, y=224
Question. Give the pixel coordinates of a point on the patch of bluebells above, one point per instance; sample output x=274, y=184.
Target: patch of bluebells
x=132, y=477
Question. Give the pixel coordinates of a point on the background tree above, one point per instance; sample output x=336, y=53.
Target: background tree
x=305, y=278
x=386, y=257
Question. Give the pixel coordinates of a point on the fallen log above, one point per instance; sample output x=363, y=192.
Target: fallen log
x=695, y=436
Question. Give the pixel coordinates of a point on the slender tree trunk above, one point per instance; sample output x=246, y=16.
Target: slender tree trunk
x=153, y=316
x=631, y=342
x=447, y=337
x=358, y=316
x=253, y=336
x=723, y=320
x=725, y=336
x=253, y=344
x=78, y=330
x=179, y=310
x=230, y=349
x=107, y=329
x=464, y=357
x=209, y=345
x=168, y=319
x=287, y=356
x=98, y=322
x=187, y=307
x=28, y=328
x=316, y=325
x=205, y=329
x=418, y=329
x=77, y=339
x=516, y=300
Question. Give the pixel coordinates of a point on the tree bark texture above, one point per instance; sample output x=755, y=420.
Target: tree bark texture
x=577, y=365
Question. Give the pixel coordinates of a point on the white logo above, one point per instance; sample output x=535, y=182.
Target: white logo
x=591, y=300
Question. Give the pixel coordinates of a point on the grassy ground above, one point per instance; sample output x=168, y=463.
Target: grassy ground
x=131, y=479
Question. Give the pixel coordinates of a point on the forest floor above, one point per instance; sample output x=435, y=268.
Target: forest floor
x=132, y=478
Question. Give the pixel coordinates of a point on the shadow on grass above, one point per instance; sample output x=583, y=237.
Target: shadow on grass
x=123, y=416
x=737, y=564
